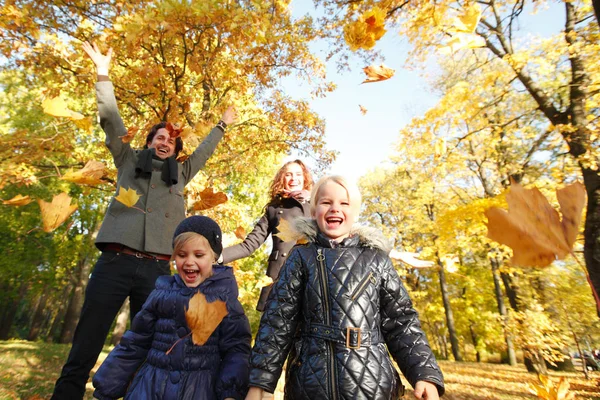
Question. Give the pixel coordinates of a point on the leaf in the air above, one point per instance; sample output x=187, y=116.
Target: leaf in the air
x=131, y=132
x=129, y=197
x=240, y=233
x=288, y=234
x=461, y=41
x=174, y=130
x=18, y=200
x=57, y=107
x=203, y=317
x=90, y=174
x=467, y=22
x=572, y=201
x=209, y=199
x=363, y=110
x=377, y=73
x=56, y=212
x=532, y=227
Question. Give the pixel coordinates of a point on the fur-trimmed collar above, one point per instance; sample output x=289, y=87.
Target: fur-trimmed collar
x=306, y=229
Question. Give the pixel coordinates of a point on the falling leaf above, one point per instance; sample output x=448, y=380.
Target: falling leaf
x=467, y=22
x=532, y=227
x=203, y=317
x=410, y=259
x=57, y=107
x=376, y=73
x=547, y=390
x=209, y=199
x=288, y=234
x=240, y=233
x=85, y=124
x=55, y=213
x=90, y=174
x=174, y=130
x=128, y=197
x=461, y=41
x=363, y=110
x=18, y=200
x=182, y=157
x=131, y=132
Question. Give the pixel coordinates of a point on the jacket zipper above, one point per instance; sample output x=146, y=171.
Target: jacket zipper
x=331, y=378
x=362, y=286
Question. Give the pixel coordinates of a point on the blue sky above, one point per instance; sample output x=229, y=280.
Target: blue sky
x=365, y=142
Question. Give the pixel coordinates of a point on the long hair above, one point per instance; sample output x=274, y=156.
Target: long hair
x=279, y=180
x=152, y=133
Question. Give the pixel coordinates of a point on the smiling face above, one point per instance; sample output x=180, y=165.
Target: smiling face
x=194, y=259
x=293, y=178
x=163, y=143
x=333, y=212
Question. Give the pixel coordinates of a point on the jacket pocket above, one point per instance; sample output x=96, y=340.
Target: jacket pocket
x=362, y=286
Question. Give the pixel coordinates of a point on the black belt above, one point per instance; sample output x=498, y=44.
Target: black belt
x=119, y=248
x=351, y=337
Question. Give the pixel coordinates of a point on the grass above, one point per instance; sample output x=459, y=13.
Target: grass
x=28, y=371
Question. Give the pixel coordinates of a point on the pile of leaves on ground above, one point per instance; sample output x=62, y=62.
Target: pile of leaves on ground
x=28, y=371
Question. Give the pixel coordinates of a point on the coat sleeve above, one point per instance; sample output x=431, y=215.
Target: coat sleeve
x=111, y=122
x=252, y=242
x=198, y=158
x=278, y=324
x=402, y=332
x=234, y=345
x=117, y=371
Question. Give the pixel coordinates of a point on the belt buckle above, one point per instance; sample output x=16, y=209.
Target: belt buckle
x=355, y=333
x=138, y=254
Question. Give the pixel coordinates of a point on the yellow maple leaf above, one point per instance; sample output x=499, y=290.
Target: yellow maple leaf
x=209, y=199
x=467, y=22
x=462, y=40
x=56, y=212
x=547, y=390
x=532, y=227
x=131, y=132
x=57, y=107
x=90, y=174
x=18, y=200
x=363, y=110
x=203, y=317
x=376, y=73
x=287, y=233
x=128, y=197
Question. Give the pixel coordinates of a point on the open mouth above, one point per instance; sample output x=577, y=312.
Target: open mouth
x=190, y=275
x=163, y=151
x=334, y=222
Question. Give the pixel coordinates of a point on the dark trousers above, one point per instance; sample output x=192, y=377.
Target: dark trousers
x=115, y=276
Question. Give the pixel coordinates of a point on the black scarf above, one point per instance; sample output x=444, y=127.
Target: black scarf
x=143, y=168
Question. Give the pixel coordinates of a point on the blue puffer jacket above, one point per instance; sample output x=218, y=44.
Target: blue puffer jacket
x=216, y=370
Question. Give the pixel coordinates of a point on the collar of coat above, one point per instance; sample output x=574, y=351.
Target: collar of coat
x=306, y=230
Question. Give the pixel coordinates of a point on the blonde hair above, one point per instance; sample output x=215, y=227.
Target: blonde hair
x=354, y=196
x=182, y=239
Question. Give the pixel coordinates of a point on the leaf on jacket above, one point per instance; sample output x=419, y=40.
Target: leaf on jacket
x=532, y=227
x=18, y=200
x=131, y=132
x=57, y=107
x=56, y=212
x=90, y=174
x=209, y=199
x=376, y=73
x=128, y=197
x=203, y=317
x=363, y=110
x=240, y=233
x=288, y=234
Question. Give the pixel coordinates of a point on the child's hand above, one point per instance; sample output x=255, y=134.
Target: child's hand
x=254, y=393
x=424, y=390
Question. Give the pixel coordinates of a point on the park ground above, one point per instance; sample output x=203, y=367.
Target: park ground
x=28, y=371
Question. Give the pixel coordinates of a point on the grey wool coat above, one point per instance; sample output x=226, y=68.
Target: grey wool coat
x=163, y=206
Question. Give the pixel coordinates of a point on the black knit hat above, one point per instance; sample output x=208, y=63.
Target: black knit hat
x=203, y=226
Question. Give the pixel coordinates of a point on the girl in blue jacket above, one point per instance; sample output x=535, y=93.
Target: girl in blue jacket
x=142, y=367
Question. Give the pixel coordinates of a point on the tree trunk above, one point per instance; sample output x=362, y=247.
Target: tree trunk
x=57, y=323
x=449, y=314
x=76, y=301
x=10, y=311
x=475, y=340
x=121, y=324
x=591, y=248
x=38, y=315
x=510, y=347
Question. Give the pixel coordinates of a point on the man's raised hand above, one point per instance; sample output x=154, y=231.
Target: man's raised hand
x=102, y=61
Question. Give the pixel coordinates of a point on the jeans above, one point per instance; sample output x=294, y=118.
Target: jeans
x=115, y=276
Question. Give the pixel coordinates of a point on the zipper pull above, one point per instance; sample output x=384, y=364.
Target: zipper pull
x=320, y=256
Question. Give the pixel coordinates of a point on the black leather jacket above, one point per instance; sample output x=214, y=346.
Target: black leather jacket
x=340, y=308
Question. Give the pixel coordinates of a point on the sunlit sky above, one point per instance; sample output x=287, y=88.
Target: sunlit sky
x=365, y=142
